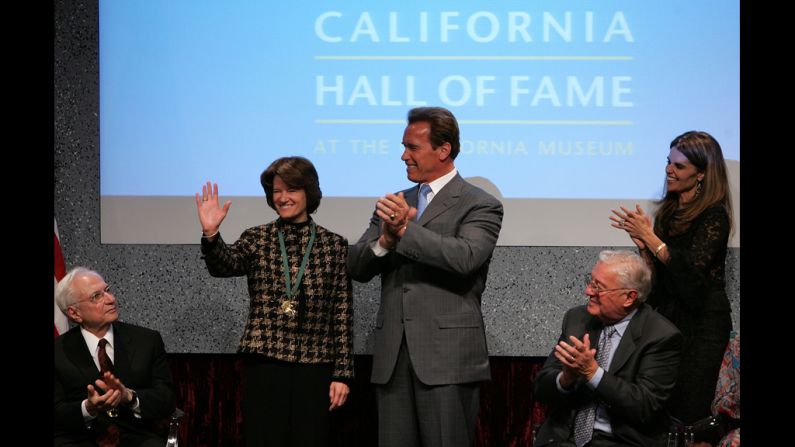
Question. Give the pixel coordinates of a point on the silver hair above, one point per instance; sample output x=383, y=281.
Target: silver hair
x=632, y=270
x=65, y=295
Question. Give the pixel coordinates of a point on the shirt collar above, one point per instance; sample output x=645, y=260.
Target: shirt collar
x=440, y=182
x=621, y=326
x=92, y=341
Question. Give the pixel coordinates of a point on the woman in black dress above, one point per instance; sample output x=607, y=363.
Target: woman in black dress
x=686, y=248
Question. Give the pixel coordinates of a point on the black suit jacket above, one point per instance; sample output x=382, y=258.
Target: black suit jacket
x=634, y=390
x=139, y=362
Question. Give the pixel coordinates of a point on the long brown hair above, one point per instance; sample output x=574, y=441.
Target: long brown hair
x=704, y=152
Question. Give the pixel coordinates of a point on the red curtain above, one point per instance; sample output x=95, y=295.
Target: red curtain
x=209, y=391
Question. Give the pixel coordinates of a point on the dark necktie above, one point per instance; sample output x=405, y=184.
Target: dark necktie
x=110, y=436
x=583, y=422
x=104, y=361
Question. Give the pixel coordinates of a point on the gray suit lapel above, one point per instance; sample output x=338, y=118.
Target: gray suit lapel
x=445, y=199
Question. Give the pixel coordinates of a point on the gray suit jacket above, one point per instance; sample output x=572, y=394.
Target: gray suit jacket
x=639, y=381
x=431, y=285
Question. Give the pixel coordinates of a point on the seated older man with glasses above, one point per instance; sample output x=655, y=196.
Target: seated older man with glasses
x=112, y=379
x=609, y=376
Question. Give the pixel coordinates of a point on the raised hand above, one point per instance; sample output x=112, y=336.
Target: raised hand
x=210, y=213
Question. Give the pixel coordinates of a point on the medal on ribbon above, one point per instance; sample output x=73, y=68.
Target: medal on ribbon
x=288, y=306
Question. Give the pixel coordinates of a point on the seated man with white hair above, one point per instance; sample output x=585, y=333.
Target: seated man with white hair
x=608, y=378
x=112, y=379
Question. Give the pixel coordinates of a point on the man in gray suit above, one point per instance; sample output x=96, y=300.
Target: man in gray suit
x=432, y=245
x=609, y=377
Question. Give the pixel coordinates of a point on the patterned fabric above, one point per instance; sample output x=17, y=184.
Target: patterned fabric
x=693, y=281
x=691, y=292
x=727, y=392
x=321, y=332
x=583, y=422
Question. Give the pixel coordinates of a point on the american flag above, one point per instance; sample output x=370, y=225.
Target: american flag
x=61, y=323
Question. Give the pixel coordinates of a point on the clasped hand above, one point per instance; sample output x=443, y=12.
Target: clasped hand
x=578, y=360
x=636, y=223
x=115, y=394
x=395, y=214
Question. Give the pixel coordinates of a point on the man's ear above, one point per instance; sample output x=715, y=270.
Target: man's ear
x=73, y=314
x=444, y=151
x=632, y=297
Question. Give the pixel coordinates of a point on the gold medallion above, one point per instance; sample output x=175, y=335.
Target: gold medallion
x=287, y=308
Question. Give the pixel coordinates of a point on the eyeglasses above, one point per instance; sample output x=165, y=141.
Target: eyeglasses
x=96, y=296
x=599, y=290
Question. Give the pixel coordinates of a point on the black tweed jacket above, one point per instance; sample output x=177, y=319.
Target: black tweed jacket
x=320, y=331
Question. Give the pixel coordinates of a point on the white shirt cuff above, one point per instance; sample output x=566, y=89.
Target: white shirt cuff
x=378, y=250
x=86, y=417
x=597, y=377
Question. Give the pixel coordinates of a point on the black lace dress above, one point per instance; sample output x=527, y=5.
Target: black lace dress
x=691, y=292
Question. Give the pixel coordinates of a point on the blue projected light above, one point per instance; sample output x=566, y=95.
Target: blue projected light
x=555, y=99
